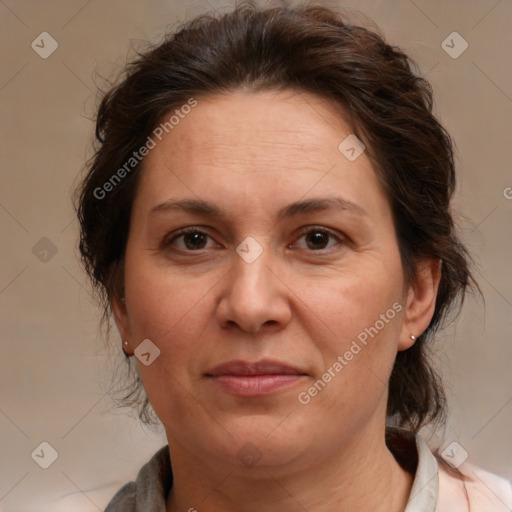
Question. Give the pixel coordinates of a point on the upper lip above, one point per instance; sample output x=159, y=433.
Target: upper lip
x=247, y=368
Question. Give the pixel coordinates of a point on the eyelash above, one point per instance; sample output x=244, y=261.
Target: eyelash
x=168, y=241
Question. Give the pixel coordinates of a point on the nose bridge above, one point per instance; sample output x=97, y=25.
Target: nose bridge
x=251, y=262
x=253, y=295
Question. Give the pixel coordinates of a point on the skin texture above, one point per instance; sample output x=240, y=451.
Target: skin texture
x=302, y=302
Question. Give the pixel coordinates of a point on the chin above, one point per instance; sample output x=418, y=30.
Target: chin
x=265, y=440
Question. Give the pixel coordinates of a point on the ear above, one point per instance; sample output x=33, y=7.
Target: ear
x=118, y=304
x=120, y=313
x=421, y=301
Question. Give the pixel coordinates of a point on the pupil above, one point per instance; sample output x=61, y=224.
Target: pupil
x=318, y=238
x=196, y=237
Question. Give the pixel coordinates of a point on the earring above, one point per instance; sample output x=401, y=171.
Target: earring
x=125, y=344
x=413, y=338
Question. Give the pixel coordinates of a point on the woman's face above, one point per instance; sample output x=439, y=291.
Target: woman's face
x=279, y=315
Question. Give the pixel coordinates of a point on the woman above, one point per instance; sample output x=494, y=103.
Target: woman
x=268, y=219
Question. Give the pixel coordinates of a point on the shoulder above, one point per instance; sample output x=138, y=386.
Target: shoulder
x=474, y=490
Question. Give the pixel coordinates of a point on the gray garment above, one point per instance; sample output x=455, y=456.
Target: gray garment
x=149, y=491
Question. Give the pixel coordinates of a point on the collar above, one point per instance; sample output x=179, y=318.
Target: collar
x=155, y=479
x=413, y=453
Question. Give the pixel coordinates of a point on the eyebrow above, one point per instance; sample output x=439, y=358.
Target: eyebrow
x=205, y=208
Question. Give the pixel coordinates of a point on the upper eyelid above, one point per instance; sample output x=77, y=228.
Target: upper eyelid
x=312, y=227
x=184, y=231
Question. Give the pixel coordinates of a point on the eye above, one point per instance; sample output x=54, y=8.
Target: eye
x=192, y=239
x=318, y=238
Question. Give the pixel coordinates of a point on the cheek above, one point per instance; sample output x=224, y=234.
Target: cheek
x=362, y=310
x=354, y=300
x=172, y=313
x=170, y=309
x=161, y=300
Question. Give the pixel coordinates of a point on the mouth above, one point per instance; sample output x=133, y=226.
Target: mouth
x=252, y=379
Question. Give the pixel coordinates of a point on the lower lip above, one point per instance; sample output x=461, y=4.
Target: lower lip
x=256, y=385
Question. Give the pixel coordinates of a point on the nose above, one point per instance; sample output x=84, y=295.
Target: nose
x=254, y=296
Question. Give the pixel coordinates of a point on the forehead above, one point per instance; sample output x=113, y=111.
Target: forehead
x=261, y=145
x=283, y=122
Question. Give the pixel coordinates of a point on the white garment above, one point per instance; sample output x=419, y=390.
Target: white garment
x=436, y=489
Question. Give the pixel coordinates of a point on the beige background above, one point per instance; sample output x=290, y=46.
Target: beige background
x=54, y=366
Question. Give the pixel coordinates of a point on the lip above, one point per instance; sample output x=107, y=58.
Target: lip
x=252, y=379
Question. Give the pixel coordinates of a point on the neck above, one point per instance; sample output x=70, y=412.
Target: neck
x=364, y=476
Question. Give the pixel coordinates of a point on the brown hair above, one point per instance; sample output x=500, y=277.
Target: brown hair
x=313, y=49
